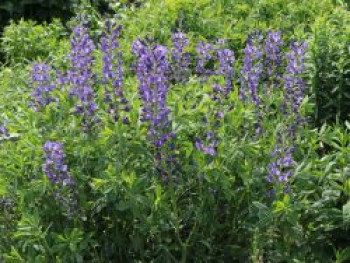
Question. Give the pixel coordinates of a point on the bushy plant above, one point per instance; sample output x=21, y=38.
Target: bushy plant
x=332, y=66
x=26, y=41
x=184, y=136
x=184, y=157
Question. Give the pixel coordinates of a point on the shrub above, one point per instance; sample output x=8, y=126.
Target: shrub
x=26, y=41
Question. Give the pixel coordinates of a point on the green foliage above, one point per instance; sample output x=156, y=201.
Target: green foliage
x=331, y=55
x=25, y=41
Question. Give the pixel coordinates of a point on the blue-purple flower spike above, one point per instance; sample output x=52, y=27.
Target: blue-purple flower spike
x=294, y=83
x=252, y=68
x=281, y=168
x=226, y=68
x=57, y=172
x=273, y=58
x=41, y=81
x=152, y=71
x=55, y=168
x=80, y=75
x=205, y=52
x=113, y=73
x=180, y=59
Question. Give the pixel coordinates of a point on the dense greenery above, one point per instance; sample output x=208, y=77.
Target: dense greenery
x=202, y=191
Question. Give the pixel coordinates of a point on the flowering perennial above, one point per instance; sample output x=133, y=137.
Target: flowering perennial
x=54, y=166
x=252, y=68
x=80, y=75
x=113, y=73
x=180, y=59
x=41, y=80
x=152, y=71
x=273, y=59
x=225, y=68
x=280, y=168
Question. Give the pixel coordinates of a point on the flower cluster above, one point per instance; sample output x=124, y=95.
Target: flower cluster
x=180, y=59
x=210, y=145
x=54, y=166
x=294, y=84
x=252, y=67
x=41, y=80
x=281, y=167
x=225, y=68
x=206, y=52
x=4, y=131
x=57, y=171
x=273, y=58
x=113, y=73
x=80, y=75
x=152, y=71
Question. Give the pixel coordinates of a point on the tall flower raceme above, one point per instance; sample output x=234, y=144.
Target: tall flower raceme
x=226, y=59
x=80, y=75
x=252, y=68
x=113, y=73
x=41, y=81
x=281, y=168
x=152, y=71
x=294, y=87
x=180, y=58
x=273, y=59
x=206, y=52
x=54, y=166
x=251, y=74
x=57, y=171
x=220, y=93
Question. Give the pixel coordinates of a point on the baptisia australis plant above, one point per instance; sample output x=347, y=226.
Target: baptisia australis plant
x=273, y=60
x=281, y=168
x=81, y=77
x=41, y=82
x=225, y=60
x=152, y=71
x=180, y=59
x=113, y=73
x=251, y=74
x=252, y=68
x=57, y=172
x=54, y=166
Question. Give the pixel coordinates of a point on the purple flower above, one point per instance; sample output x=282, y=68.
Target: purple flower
x=223, y=60
x=180, y=59
x=205, y=52
x=281, y=168
x=206, y=149
x=273, y=57
x=226, y=67
x=4, y=131
x=80, y=75
x=252, y=68
x=41, y=81
x=57, y=172
x=152, y=71
x=54, y=166
x=113, y=73
x=294, y=85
